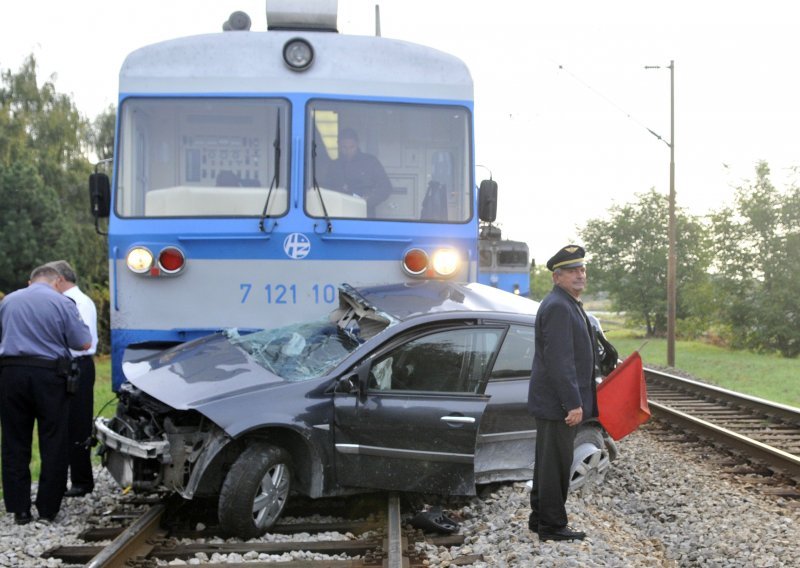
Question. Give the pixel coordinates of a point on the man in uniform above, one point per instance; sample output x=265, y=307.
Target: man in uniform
x=81, y=404
x=562, y=391
x=38, y=326
x=358, y=173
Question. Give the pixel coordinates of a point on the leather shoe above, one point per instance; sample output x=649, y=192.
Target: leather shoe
x=561, y=533
x=48, y=518
x=78, y=491
x=23, y=518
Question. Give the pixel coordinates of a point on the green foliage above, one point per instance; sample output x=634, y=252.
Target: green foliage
x=103, y=134
x=32, y=228
x=541, y=282
x=628, y=252
x=44, y=142
x=757, y=251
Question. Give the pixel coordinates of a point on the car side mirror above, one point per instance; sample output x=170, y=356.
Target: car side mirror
x=356, y=382
x=362, y=372
x=487, y=201
x=346, y=385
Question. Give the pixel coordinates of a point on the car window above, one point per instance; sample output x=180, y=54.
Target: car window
x=516, y=355
x=454, y=360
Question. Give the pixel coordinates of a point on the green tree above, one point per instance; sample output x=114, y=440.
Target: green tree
x=103, y=133
x=628, y=251
x=756, y=244
x=44, y=142
x=541, y=281
x=31, y=228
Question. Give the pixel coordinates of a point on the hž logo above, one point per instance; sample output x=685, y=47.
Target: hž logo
x=296, y=246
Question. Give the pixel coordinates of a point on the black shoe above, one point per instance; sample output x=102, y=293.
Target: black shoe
x=78, y=491
x=533, y=525
x=561, y=533
x=48, y=518
x=23, y=518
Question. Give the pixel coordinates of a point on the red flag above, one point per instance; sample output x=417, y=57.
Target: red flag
x=622, y=398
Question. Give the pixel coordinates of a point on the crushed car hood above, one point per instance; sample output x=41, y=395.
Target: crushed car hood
x=200, y=373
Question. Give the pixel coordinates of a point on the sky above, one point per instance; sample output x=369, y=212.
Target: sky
x=563, y=101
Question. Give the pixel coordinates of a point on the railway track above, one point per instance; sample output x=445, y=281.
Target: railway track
x=763, y=432
x=150, y=538
x=766, y=432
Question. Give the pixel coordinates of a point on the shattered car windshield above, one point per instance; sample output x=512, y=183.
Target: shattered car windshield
x=298, y=352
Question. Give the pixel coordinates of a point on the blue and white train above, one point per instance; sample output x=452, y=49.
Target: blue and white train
x=219, y=212
x=504, y=264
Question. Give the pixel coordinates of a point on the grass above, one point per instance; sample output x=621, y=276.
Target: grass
x=770, y=377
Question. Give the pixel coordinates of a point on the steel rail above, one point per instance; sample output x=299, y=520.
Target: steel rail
x=394, y=535
x=728, y=407
x=774, y=457
x=774, y=409
x=131, y=542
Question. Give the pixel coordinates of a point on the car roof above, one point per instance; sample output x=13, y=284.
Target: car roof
x=411, y=299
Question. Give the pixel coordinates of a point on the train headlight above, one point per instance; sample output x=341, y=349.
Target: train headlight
x=298, y=54
x=445, y=262
x=139, y=260
x=415, y=262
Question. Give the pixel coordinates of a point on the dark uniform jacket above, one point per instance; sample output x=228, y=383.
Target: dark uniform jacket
x=564, y=360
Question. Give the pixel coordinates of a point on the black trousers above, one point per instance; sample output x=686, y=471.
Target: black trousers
x=81, y=412
x=29, y=394
x=555, y=443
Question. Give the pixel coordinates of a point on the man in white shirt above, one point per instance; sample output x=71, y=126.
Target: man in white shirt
x=81, y=406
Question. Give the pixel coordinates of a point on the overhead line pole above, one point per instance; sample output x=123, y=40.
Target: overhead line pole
x=672, y=229
x=672, y=263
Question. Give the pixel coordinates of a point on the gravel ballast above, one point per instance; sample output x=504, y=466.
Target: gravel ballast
x=660, y=505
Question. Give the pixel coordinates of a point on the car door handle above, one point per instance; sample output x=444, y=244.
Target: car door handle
x=458, y=419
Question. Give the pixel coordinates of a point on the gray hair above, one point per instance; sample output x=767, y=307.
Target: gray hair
x=45, y=272
x=64, y=270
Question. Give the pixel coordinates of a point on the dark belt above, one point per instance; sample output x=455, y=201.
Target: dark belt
x=29, y=362
x=79, y=357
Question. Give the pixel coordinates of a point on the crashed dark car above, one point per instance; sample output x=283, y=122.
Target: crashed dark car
x=413, y=387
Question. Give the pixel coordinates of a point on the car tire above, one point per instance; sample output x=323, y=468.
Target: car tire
x=590, y=434
x=590, y=461
x=255, y=491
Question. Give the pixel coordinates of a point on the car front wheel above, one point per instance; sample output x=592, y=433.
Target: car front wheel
x=255, y=491
x=590, y=459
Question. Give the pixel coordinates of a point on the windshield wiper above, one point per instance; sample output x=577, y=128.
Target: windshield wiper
x=276, y=178
x=314, y=182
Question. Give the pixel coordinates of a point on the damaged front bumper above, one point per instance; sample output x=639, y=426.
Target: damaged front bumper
x=120, y=455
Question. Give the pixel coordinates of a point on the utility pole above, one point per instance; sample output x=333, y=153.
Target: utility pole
x=672, y=230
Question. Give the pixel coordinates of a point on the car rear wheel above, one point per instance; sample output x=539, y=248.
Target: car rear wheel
x=255, y=491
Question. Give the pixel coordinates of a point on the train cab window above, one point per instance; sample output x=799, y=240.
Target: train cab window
x=203, y=157
x=515, y=358
x=512, y=257
x=388, y=161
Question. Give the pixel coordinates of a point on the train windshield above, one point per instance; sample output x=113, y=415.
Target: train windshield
x=402, y=162
x=515, y=257
x=204, y=157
